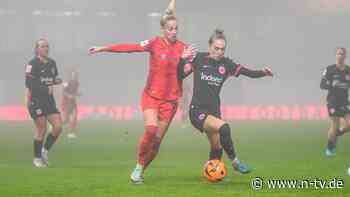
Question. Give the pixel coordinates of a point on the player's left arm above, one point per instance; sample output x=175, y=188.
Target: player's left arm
x=256, y=73
x=237, y=69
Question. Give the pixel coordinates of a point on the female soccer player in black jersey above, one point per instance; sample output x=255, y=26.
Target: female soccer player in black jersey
x=210, y=71
x=41, y=75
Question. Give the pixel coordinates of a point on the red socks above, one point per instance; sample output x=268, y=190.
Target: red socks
x=146, y=143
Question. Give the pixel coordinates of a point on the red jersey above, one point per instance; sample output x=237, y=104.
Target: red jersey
x=162, y=81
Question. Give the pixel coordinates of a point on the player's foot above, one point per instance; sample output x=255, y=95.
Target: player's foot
x=45, y=156
x=341, y=132
x=38, y=162
x=136, y=176
x=330, y=152
x=241, y=167
x=71, y=135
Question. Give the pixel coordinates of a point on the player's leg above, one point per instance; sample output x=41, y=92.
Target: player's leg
x=72, y=122
x=167, y=111
x=151, y=129
x=197, y=117
x=332, y=136
x=41, y=127
x=346, y=128
x=215, y=145
x=214, y=124
x=56, y=123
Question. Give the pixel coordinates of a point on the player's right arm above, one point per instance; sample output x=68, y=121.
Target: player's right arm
x=185, y=65
x=29, y=80
x=124, y=48
x=326, y=83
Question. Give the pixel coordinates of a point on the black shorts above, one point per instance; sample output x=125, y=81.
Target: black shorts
x=338, y=110
x=44, y=106
x=198, y=114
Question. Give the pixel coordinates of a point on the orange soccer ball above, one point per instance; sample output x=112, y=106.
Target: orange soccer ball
x=214, y=170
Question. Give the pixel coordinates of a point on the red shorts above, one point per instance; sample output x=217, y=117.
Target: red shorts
x=166, y=109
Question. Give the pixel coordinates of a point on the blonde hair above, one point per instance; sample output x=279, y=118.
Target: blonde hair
x=36, y=45
x=167, y=17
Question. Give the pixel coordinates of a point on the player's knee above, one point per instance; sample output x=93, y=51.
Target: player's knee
x=57, y=129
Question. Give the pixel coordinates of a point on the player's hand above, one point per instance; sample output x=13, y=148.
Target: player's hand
x=268, y=72
x=94, y=50
x=189, y=52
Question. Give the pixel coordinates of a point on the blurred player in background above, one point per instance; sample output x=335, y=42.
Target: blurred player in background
x=41, y=75
x=69, y=104
x=163, y=89
x=336, y=80
x=210, y=71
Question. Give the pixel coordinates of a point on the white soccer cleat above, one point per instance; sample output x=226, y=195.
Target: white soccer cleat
x=71, y=136
x=136, y=176
x=45, y=156
x=39, y=163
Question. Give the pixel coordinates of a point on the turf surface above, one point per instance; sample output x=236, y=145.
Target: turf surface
x=99, y=161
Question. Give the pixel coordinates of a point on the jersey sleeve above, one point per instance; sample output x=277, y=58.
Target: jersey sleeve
x=325, y=80
x=234, y=69
x=185, y=68
x=237, y=70
x=29, y=75
x=143, y=46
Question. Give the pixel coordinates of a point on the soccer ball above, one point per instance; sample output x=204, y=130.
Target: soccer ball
x=214, y=170
x=349, y=171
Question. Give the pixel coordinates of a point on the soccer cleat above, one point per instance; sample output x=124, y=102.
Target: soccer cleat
x=45, y=156
x=136, y=176
x=71, y=135
x=341, y=132
x=39, y=163
x=240, y=167
x=330, y=152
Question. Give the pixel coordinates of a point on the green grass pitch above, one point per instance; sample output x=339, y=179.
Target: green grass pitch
x=99, y=161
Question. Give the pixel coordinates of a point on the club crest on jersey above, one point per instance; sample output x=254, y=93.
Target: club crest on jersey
x=38, y=112
x=347, y=77
x=222, y=70
x=144, y=43
x=201, y=116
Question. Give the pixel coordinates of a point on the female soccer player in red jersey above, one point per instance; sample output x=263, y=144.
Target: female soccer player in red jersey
x=160, y=97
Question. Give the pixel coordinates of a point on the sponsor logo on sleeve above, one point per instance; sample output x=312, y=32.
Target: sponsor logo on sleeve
x=29, y=68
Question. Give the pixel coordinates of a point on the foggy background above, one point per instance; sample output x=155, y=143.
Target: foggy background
x=295, y=38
